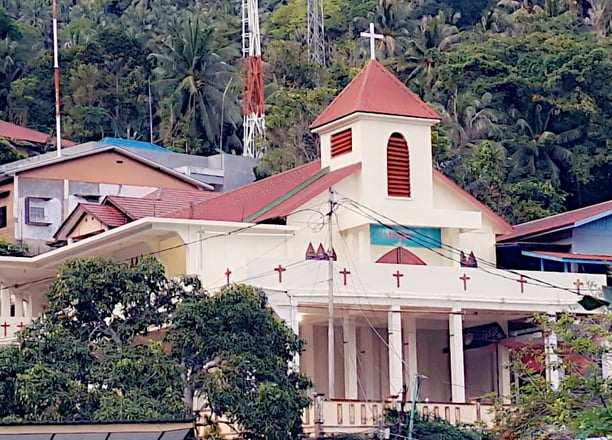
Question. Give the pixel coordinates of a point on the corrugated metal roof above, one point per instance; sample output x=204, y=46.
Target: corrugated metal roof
x=105, y=214
x=243, y=202
x=18, y=133
x=555, y=222
x=130, y=143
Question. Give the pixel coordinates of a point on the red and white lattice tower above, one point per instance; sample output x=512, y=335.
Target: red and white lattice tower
x=253, y=102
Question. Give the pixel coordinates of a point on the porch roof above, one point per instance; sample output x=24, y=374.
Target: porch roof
x=569, y=257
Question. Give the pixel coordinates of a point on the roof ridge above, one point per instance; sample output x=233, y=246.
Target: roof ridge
x=287, y=195
x=561, y=214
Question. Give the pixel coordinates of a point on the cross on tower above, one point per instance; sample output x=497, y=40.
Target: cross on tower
x=397, y=276
x=5, y=326
x=227, y=275
x=465, y=279
x=578, y=284
x=344, y=273
x=21, y=326
x=280, y=269
x=523, y=281
x=373, y=36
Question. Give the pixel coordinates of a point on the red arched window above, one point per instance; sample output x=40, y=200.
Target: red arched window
x=398, y=167
x=399, y=255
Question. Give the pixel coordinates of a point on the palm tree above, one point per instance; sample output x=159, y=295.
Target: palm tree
x=192, y=69
x=390, y=19
x=432, y=37
x=470, y=120
x=539, y=148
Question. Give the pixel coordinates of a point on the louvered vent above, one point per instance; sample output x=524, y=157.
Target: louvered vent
x=398, y=167
x=341, y=142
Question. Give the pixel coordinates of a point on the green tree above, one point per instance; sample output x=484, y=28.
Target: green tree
x=542, y=411
x=234, y=355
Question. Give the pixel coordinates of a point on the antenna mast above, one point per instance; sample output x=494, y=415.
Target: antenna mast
x=316, y=31
x=56, y=79
x=253, y=103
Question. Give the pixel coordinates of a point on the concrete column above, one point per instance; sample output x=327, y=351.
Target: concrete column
x=455, y=328
x=552, y=359
x=396, y=358
x=410, y=350
x=503, y=372
x=5, y=302
x=349, y=331
x=307, y=359
x=18, y=306
x=367, y=362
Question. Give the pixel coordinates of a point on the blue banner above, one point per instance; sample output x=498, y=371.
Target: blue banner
x=405, y=236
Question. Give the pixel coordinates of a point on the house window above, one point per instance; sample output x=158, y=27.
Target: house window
x=35, y=211
x=398, y=167
x=341, y=142
x=3, y=221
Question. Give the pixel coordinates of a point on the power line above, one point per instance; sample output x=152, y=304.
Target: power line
x=401, y=230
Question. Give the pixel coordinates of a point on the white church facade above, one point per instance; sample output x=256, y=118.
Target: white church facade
x=369, y=238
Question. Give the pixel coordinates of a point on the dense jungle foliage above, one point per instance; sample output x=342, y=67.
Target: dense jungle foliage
x=523, y=86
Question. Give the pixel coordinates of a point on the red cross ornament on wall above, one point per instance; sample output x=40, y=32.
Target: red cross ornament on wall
x=465, y=279
x=344, y=272
x=578, y=285
x=227, y=275
x=398, y=275
x=522, y=281
x=5, y=326
x=280, y=269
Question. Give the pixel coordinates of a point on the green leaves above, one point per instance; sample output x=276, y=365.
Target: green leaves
x=236, y=354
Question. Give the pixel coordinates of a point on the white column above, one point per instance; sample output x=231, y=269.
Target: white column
x=18, y=305
x=455, y=327
x=349, y=331
x=503, y=372
x=5, y=302
x=410, y=350
x=396, y=359
x=367, y=358
x=552, y=360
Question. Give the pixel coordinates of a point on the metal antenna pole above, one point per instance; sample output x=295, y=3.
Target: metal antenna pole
x=223, y=114
x=331, y=368
x=56, y=79
x=316, y=31
x=150, y=115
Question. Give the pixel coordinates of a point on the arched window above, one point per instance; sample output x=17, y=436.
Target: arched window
x=398, y=167
x=399, y=255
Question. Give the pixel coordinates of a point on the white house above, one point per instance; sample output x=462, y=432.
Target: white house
x=412, y=287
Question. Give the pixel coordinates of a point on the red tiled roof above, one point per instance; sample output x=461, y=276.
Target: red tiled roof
x=375, y=90
x=17, y=133
x=107, y=215
x=558, y=221
x=158, y=203
x=571, y=255
x=289, y=205
x=497, y=220
x=243, y=202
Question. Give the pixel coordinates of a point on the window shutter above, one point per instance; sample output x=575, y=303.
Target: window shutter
x=398, y=167
x=341, y=142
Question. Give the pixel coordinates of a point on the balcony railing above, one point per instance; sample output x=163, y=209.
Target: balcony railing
x=349, y=416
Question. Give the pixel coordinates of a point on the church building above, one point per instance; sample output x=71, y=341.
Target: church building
x=383, y=265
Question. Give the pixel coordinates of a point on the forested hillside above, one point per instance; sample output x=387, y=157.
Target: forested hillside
x=524, y=87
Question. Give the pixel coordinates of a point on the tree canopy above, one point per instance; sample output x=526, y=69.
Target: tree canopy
x=126, y=343
x=522, y=82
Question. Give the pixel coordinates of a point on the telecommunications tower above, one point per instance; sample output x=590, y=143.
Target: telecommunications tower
x=253, y=102
x=316, y=31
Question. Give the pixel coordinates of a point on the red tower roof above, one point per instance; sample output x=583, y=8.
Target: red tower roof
x=375, y=90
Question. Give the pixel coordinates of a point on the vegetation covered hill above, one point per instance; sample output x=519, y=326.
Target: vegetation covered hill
x=523, y=86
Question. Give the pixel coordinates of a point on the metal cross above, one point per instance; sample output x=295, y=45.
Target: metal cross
x=373, y=36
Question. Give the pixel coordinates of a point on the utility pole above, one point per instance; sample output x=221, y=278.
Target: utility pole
x=331, y=368
x=56, y=80
x=415, y=395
